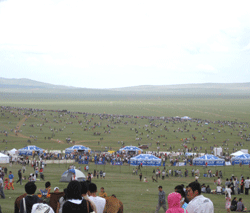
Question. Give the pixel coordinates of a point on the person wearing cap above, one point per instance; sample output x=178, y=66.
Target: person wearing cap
x=56, y=189
x=161, y=200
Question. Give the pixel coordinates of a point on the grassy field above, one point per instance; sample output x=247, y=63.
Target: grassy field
x=136, y=196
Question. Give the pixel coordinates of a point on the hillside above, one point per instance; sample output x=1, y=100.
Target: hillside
x=30, y=86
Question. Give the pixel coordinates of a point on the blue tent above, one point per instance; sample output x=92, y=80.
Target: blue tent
x=130, y=149
x=244, y=159
x=28, y=150
x=146, y=160
x=210, y=159
x=77, y=148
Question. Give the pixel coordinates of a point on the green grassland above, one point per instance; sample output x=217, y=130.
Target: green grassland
x=136, y=196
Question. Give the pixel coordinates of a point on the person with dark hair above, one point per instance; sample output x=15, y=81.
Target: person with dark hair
x=184, y=200
x=233, y=206
x=208, y=189
x=99, y=201
x=84, y=191
x=75, y=203
x=247, y=184
x=103, y=194
x=27, y=202
x=19, y=176
x=240, y=206
x=197, y=202
x=161, y=200
x=46, y=192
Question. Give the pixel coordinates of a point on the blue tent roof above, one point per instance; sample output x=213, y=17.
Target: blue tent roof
x=208, y=157
x=76, y=147
x=211, y=160
x=244, y=159
x=146, y=160
x=130, y=148
x=29, y=149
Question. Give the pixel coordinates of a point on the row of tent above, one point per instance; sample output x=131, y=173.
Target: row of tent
x=29, y=150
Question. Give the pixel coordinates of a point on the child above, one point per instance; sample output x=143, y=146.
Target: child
x=6, y=182
x=11, y=178
x=145, y=180
x=228, y=202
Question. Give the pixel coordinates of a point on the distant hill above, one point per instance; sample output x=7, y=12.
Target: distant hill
x=24, y=85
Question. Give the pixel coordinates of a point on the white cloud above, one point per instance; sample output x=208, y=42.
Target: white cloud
x=163, y=37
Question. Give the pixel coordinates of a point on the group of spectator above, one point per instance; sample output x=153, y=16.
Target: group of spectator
x=77, y=197
x=185, y=200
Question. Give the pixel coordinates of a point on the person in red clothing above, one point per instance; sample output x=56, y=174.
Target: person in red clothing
x=6, y=182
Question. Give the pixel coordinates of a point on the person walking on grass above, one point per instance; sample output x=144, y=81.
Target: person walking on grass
x=161, y=200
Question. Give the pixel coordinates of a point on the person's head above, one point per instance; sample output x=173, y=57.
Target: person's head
x=180, y=190
x=56, y=189
x=113, y=195
x=240, y=200
x=160, y=188
x=194, y=189
x=84, y=187
x=92, y=188
x=102, y=189
x=30, y=188
x=10, y=172
x=235, y=199
x=227, y=179
x=47, y=184
x=74, y=190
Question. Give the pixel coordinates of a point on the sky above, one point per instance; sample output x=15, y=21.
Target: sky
x=110, y=44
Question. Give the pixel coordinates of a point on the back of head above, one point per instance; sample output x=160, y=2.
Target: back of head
x=84, y=187
x=195, y=186
x=47, y=184
x=30, y=188
x=92, y=188
x=74, y=190
x=180, y=190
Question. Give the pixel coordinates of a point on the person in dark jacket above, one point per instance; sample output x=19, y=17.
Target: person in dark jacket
x=234, y=204
x=75, y=202
x=19, y=176
x=30, y=198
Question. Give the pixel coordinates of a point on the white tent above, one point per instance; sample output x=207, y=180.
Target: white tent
x=67, y=175
x=237, y=153
x=4, y=158
x=13, y=152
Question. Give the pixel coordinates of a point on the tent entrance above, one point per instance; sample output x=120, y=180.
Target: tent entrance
x=131, y=152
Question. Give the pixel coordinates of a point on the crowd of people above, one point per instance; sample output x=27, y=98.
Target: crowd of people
x=77, y=197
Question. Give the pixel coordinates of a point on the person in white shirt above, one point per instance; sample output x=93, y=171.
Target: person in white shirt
x=98, y=201
x=197, y=202
x=218, y=189
x=247, y=184
x=228, y=191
